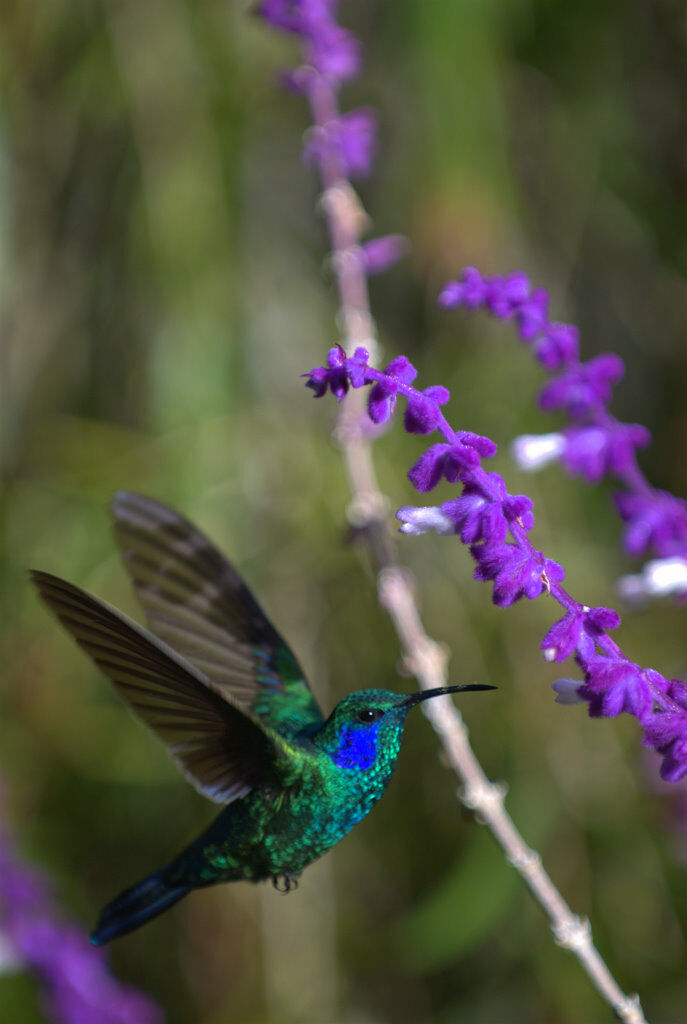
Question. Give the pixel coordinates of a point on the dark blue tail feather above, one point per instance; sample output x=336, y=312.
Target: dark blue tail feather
x=135, y=906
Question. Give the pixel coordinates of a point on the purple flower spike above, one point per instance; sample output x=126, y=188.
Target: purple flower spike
x=614, y=685
x=584, y=388
x=515, y=572
x=379, y=254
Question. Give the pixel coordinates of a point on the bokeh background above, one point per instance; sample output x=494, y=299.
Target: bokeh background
x=164, y=285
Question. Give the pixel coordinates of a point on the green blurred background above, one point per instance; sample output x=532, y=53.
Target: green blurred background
x=163, y=288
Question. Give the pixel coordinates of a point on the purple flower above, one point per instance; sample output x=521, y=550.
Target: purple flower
x=655, y=519
x=507, y=294
x=442, y=461
x=666, y=731
x=357, y=366
x=379, y=254
x=77, y=986
x=333, y=376
x=531, y=317
x=348, y=140
x=594, y=451
x=584, y=388
x=558, y=346
x=485, y=510
x=470, y=291
x=328, y=49
x=514, y=571
x=422, y=411
x=614, y=685
x=333, y=52
x=382, y=400
x=578, y=632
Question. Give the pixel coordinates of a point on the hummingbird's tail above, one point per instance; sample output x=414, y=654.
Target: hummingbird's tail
x=136, y=905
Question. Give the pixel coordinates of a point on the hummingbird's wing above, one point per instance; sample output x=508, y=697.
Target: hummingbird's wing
x=223, y=752
x=196, y=601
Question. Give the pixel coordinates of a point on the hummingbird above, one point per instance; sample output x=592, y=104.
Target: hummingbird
x=216, y=683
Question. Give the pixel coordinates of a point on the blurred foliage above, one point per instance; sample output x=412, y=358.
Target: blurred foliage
x=163, y=289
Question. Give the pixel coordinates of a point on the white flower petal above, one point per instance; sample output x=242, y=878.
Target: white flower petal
x=532, y=451
x=421, y=520
x=658, y=578
x=567, y=691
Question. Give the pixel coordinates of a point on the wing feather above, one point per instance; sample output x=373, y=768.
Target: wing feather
x=196, y=601
x=224, y=752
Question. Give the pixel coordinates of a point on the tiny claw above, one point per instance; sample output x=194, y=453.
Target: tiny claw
x=285, y=883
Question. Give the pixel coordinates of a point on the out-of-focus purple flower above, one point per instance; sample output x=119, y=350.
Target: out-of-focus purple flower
x=655, y=520
x=506, y=294
x=379, y=254
x=349, y=140
x=614, y=685
x=583, y=388
x=469, y=291
x=594, y=451
x=578, y=632
x=334, y=52
x=532, y=315
x=558, y=346
x=77, y=986
x=327, y=47
x=514, y=571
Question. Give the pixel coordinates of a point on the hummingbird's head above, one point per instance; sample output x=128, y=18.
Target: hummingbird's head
x=364, y=730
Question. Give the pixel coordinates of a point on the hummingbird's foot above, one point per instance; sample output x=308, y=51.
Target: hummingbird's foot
x=285, y=882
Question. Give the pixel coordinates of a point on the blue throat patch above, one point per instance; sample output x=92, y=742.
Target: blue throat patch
x=358, y=747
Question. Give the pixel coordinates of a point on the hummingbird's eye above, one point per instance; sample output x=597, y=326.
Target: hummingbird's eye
x=368, y=715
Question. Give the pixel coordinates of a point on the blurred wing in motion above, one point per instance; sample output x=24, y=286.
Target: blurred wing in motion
x=222, y=751
x=196, y=601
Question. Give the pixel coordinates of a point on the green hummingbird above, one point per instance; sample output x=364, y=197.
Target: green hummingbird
x=218, y=685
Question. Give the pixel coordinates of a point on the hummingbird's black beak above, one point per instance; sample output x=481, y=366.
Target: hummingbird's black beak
x=417, y=698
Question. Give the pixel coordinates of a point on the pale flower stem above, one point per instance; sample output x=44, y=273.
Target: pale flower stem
x=425, y=658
